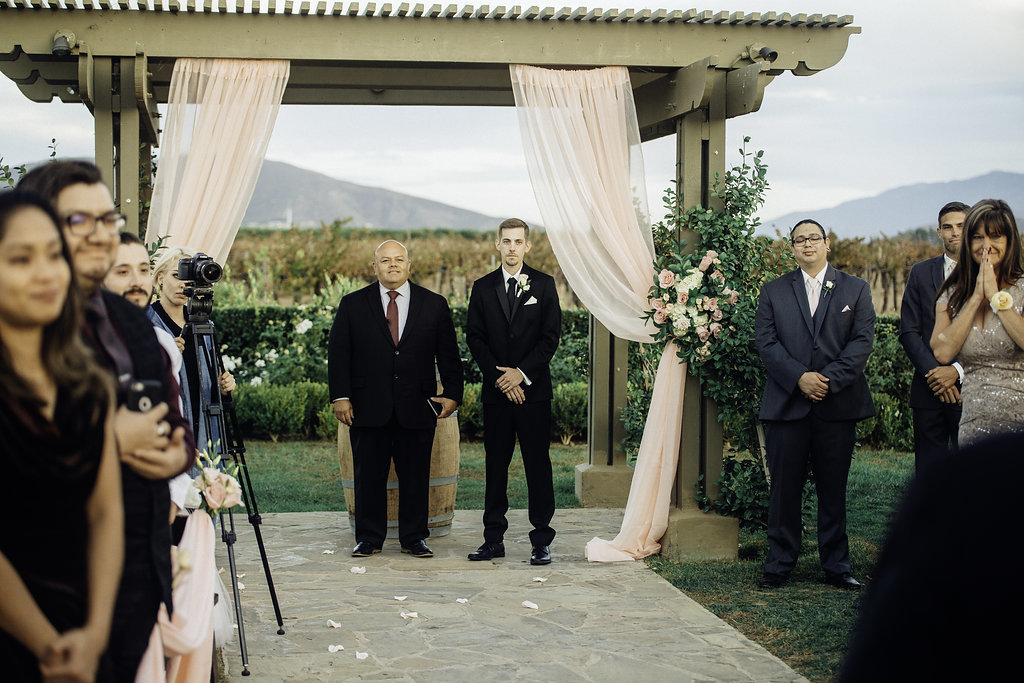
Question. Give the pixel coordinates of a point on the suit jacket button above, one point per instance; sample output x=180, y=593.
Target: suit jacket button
x=396, y=376
x=396, y=352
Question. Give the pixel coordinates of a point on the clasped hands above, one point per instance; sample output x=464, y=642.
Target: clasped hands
x=942, y=381
x=344, y=411
x=813, y=385
x=509, y=383
x=146, y=443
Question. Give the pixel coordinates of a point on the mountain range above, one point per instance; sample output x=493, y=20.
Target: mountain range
x=286, y=195
x=908, y=207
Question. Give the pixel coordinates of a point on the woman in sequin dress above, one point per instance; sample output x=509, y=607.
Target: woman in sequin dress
x=979, y=320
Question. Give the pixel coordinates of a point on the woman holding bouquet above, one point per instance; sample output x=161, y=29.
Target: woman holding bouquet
x=979, y=320
x=61, y=555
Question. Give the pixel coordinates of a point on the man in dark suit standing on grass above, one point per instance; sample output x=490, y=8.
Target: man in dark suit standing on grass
x=935, y=389
x=815, y=328
x=383, y=347
x=512, y=329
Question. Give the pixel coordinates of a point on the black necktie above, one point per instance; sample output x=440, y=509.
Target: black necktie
x=98, y=320
x=392, y=316
x=511, y=294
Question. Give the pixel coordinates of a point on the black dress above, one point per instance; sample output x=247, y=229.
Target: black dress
x=50, y=470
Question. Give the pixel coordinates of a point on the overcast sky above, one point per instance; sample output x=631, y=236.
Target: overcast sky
x=931, y=90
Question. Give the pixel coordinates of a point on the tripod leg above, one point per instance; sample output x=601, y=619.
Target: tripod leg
x=249, y=498
x=229, y=540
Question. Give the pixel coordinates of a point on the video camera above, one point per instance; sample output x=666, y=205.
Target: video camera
x=199, y=273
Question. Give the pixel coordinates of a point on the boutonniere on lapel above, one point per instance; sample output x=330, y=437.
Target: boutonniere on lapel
x=524, y=283
x=828, y=286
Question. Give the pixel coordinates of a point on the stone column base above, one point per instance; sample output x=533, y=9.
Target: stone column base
x=601, y=486
x=695, y=535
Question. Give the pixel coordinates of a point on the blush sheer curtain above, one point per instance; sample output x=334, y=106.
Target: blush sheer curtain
x=582, y=146
x=219, y=120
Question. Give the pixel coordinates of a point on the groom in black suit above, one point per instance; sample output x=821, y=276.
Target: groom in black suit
x=935, y=389
x=512, y=329
x=815, y=327
x=381, y=355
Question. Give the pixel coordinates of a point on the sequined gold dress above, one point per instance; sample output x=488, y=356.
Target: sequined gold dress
x=993, y=386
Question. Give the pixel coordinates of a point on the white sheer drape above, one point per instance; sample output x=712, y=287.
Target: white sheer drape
x=582, y=146
x=220, y=117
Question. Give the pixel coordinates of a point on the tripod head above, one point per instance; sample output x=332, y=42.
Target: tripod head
x=199, y=273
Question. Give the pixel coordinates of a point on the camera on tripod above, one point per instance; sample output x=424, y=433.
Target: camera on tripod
x=199, y=273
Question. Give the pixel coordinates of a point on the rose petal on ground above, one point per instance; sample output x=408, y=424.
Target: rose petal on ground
x=362, y=655
x=241, y=586
x=335, y=648
x=400, y=598
x=358, y=570
x=539, y=579
x=327, y=552
x=530, y=605
x=410, y=615
x=331, y=623
x=461, y=600
x=239, y=576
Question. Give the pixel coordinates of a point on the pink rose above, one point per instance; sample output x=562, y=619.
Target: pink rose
x=666, y=278
x=733, y=296
x=715, y=329
x=705, y=263
x=702, y=333
x=716, y=314
x=657, y=304
x=213, y=488
x=717, y=275
x=712, y=254
x=233, y=492
x=682, y=298
x=660, y=316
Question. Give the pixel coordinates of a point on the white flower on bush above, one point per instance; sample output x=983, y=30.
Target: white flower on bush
x=260, y=363
x=303, y=327
x=271, y=355
x=256, y=381
x=231, y=363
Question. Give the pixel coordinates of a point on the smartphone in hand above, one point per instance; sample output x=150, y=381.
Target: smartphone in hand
x=143, y=395
x=436, y=407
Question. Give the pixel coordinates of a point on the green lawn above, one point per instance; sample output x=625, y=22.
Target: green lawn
x=303, y=476
x=805, y=623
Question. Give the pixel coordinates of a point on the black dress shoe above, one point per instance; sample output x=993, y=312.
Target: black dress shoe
x=770, y=580
x=488, y=551
x=844, y=581
x=364, y=549
x=418, y=549
x=540, y=555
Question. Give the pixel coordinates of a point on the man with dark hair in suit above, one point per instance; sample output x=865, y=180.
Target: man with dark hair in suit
x=934, y=391
x=381, y=356
x=153, y=446
x=513, y=326
x=815, y=328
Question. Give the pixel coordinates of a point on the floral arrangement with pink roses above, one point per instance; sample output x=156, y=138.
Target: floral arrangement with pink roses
x=215, y=488
x=690, y=303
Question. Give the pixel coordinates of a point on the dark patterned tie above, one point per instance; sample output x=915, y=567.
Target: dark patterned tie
x=392, y=316
x=511, y=293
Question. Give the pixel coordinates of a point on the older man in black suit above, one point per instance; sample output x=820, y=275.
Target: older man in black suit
x=512, y=329
x=934, y=391
x=153, y=446
x=381, y=356
x=815, y=328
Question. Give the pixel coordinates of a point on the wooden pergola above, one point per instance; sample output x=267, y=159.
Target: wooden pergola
x=690, y=70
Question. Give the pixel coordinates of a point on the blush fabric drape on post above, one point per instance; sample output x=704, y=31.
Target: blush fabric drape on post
x=582, y=146
x=219, y=120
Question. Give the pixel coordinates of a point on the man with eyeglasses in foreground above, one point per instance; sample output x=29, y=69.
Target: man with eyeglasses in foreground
x=154, y=445
x=814, y=327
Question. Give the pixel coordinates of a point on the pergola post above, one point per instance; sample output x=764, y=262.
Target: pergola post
x=603, y=481
x=693, y=534
x=126, y=192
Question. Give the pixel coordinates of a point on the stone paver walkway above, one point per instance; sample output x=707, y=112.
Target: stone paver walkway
x=593, y=622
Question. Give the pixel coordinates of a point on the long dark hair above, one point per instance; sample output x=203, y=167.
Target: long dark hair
x=64, y=354
x=995, y=218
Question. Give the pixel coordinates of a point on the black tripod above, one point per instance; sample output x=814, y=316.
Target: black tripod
x=218, y=410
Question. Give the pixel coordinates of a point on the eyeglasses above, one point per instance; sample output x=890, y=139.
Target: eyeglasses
x=83, y=224
x=813, y=240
